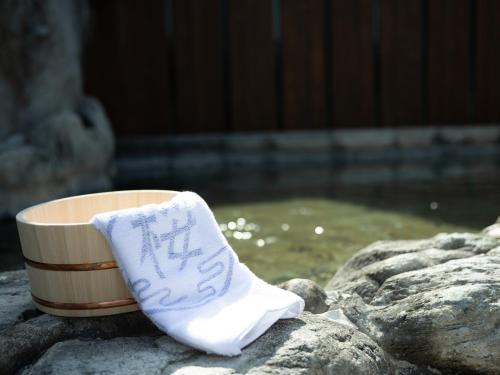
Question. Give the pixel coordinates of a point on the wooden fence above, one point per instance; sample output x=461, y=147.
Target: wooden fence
x=196, y=66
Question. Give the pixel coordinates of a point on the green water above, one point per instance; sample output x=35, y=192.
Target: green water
x=289, y=223
x=312, y=238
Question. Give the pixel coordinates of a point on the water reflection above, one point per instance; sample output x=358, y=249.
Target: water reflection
x=319, y=230
x=445, y=196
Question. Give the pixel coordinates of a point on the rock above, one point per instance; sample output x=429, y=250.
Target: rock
x=51, y=135
x=313, y=295
x=431, y=302
x=25, y=341
x=494, y=252
x=308, y=345
x=15, y=298
x=493, y=230
x=130, y=343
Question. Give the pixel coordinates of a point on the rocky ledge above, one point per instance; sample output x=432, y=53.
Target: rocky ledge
x=432, y=302
x=397, y=307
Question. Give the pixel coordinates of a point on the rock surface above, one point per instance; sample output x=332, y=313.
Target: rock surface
x=401, y=307
x=53, y=140
x=33, y=343
x=15, y=298
x=432, y=302
x=308, y=345
x=312, y=294
x=493, y=230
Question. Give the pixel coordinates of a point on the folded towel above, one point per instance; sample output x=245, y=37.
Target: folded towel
x=188, y=280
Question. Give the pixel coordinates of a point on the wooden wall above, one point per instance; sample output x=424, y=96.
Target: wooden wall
x=191, y=66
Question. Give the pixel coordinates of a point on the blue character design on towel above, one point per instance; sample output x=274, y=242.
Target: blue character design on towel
x=149, y=239
x=177, y=231
x=214, y=268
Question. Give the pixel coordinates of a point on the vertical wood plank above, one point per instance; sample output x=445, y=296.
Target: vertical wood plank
x=488, y=61
x=200, y=104
x=252, y=57
x=303, y=64
x=126, y=67
x=352, y=60
x=401, y=62
x=448, y=61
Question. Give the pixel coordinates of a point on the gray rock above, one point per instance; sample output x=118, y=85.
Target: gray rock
x=51, y=135
x=493, y=230
x=130, y=343
x=308, y=345
x=25, y=341
x=431, y=302
x=15, y=299
x=494, y=252
x=313, y=295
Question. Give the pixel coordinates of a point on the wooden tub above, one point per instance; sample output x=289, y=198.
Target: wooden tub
x=70, y=265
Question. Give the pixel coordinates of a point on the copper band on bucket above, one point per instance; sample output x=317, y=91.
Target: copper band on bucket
x=84, y=305
x=72, y=267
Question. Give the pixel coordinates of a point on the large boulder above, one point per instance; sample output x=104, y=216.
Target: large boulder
x=307, y=345
x=432, y=302
x=400, y=307
x=32, y=343
x=53, y=139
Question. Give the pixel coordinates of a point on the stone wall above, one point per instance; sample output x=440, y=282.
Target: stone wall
x=54, y=140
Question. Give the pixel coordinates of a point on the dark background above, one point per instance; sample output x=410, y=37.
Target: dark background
x=190, y=66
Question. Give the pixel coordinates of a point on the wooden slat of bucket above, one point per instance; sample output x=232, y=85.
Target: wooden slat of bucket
x=87, y=313
x=56, y=244
x=57, y=288
x=77, y=286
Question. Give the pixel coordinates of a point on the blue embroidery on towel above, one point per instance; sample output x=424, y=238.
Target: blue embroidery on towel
x=149, y=240
x=177, y=231
x=109, y=227
x=164, y=210
x=220, y=269
x=207, y=289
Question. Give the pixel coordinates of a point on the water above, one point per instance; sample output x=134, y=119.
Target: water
x=307, y=222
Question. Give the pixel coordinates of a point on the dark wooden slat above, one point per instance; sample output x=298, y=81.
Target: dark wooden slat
x=252, y=57
x=401, y=62
x=352, y=60
x=448, y=61
x=200, y=104
x=488, y=61
x=126, y=64
x=303, y=64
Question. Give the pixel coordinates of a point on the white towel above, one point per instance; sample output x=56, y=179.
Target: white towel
x=188, y=280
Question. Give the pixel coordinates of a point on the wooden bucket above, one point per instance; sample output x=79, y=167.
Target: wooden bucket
x=70, y=265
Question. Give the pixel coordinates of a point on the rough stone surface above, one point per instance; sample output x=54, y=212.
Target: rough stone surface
x=130, y=344
x=15, y=299
x=312, y=294
x=431, y=302
x=307, y=345
x=53, y=140
x=493, y=230
x=401, y=307
x=25, y=341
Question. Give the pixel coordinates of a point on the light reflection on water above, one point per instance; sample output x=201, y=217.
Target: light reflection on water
x=306, y=222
